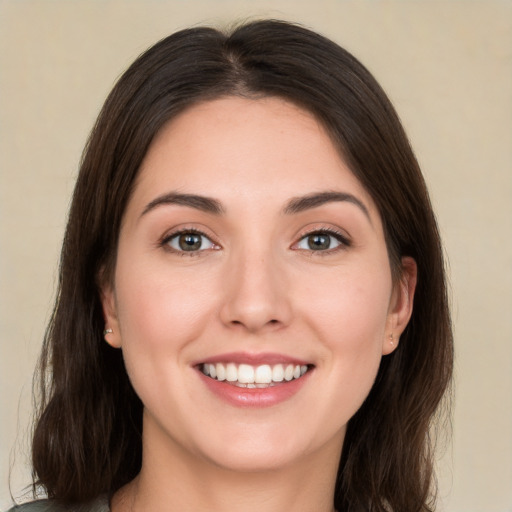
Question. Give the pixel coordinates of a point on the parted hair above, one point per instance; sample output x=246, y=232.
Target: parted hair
x=87, y=430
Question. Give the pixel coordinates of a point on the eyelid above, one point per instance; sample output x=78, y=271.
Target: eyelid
x=341, y=236
x=175, y=232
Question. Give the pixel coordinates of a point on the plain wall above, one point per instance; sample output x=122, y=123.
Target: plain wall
x=447, y=66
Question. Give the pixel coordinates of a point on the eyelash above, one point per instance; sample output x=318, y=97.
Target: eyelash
x=165, y=242
x=342, y=239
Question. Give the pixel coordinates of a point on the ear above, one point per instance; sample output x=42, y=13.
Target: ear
x=401, y=304
x=111, y=334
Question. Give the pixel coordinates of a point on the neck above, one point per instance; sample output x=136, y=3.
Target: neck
x=174, y=480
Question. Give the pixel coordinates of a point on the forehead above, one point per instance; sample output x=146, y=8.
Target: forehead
x=252, y=150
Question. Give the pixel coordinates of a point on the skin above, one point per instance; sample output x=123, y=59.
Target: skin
x=255, y=286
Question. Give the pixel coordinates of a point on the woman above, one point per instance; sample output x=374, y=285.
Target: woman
x=234, y=325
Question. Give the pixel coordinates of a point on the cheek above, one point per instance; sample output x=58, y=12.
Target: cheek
x=350, y=306
x=160, y=313
x=349, y=314
x=345, y=310
x=161, y=310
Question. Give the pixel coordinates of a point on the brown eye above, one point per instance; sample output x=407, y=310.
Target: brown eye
x=321, y=241
x=189, y=241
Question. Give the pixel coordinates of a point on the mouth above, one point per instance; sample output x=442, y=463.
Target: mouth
x=254, y=376
x=254, y=380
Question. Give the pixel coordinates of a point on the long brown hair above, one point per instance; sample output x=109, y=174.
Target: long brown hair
x=87, y=438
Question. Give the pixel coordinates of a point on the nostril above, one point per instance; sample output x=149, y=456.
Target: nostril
x=273, y=321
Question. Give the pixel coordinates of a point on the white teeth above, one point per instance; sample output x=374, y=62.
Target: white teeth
x=278, y=373
x=263, y=374
x=221, y=371
x=247, y=376
x=231, y=373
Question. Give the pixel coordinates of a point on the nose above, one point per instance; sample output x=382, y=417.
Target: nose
x=256, y=295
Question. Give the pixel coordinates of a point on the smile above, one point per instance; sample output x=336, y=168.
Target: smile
x=248, y=376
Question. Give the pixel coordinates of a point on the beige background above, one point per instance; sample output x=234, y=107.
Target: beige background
x=447, y=65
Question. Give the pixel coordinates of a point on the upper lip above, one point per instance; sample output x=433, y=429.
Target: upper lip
x=253, y=359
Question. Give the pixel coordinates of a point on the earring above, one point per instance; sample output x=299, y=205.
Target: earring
x=107, y=331
x=391, y=340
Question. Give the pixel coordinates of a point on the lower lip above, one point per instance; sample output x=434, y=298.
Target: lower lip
x=255, y=397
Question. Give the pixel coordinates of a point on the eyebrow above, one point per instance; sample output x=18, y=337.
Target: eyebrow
x=203, y=203
x=295, y=205
x=300, y=204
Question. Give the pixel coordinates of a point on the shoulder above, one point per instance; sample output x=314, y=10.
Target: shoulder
x=98, y=505
x=36, y=506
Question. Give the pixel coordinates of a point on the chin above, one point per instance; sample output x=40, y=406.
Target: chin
x=254, y=450
x=255, y=458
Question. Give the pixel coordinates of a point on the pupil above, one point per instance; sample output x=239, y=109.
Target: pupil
x=317, y=242
x=190, y=242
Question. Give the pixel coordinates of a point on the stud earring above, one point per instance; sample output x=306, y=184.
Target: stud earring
x=391, y=340
x=107, y=331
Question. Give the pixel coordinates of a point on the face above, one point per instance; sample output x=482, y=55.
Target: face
x=252, y=296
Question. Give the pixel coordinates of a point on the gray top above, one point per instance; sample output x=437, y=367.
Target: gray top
x=98, y=505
